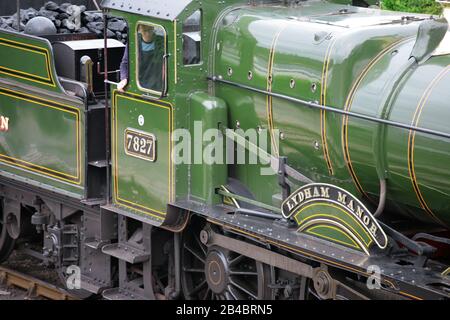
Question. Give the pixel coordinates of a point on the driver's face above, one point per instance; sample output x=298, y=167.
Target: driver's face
x=147, y=33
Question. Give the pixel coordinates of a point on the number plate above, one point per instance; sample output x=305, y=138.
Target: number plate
x=140, y=144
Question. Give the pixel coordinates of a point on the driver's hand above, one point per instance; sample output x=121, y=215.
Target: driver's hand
x=121, y=85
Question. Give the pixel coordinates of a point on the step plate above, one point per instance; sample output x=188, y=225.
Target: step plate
x=126, y=253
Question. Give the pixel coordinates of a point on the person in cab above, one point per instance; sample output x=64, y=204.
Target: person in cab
x=150, y=51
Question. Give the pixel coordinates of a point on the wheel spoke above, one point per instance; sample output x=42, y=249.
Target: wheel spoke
x=198, y=288
x=230, y=295
x=242, y=288
x=242, y=280
x=236, y=260
x=195, y=254
x=159, y=282
x=164, y=275
x=193, y=270
x=201, y=245
x=243, y=273
x=205, y=296
x=313, y=293
x=234, y=293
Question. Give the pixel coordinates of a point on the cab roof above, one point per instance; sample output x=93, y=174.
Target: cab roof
x=161, y=9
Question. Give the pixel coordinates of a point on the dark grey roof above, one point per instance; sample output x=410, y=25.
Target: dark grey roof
x=162, y=9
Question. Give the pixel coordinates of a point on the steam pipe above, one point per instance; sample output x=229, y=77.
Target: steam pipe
x=421, y=250
x=382, y=202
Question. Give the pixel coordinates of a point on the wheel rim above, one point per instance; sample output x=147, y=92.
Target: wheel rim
x=215, y=273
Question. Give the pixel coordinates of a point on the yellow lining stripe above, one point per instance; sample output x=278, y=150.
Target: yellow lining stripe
x=25, y=73
x=344, y=222
x=410, y=295
x=323, y=102
x=47, y=62
x=411, y=142
x=116, y=170
x=348, y=106
x=269, y=99
x=446, y=272
x=353, y=244
x=78, y=139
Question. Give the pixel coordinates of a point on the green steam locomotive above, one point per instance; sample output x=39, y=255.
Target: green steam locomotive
x=256, y=150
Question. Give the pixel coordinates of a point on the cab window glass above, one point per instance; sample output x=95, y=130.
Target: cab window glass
x=192, y=38
x=150, y=51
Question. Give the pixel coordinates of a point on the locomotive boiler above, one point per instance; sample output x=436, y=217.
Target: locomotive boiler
x=344, y=108
x=317, y=63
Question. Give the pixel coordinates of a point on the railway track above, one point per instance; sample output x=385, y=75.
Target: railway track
x=33, y=286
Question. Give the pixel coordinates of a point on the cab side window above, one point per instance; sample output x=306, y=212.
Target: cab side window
x=150, y=50
x=192, y=38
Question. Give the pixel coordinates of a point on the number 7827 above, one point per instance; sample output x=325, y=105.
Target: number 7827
x=140, y=145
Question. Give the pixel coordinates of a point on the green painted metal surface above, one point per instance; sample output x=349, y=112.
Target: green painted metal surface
x=28, y=60
x=208, y=113
x=351, y=61
x=140, y=185
x=45, y=139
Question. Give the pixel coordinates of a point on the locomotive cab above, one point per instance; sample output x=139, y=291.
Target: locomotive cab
x=166, y=56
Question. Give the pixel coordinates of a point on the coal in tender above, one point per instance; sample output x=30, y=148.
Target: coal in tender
x=64, y=30
x=63, y=16
x=92, y=17
x=117, y=25
x=95, y=26
x=48, y=14
x=26, y=14
x=83, y=30
x=110, y=34
x=51, y=6
x=70, y=25
x=14, y=25
x=69, y=18
x=63, y=7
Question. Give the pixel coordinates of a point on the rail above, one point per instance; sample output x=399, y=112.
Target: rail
x=34, y=287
